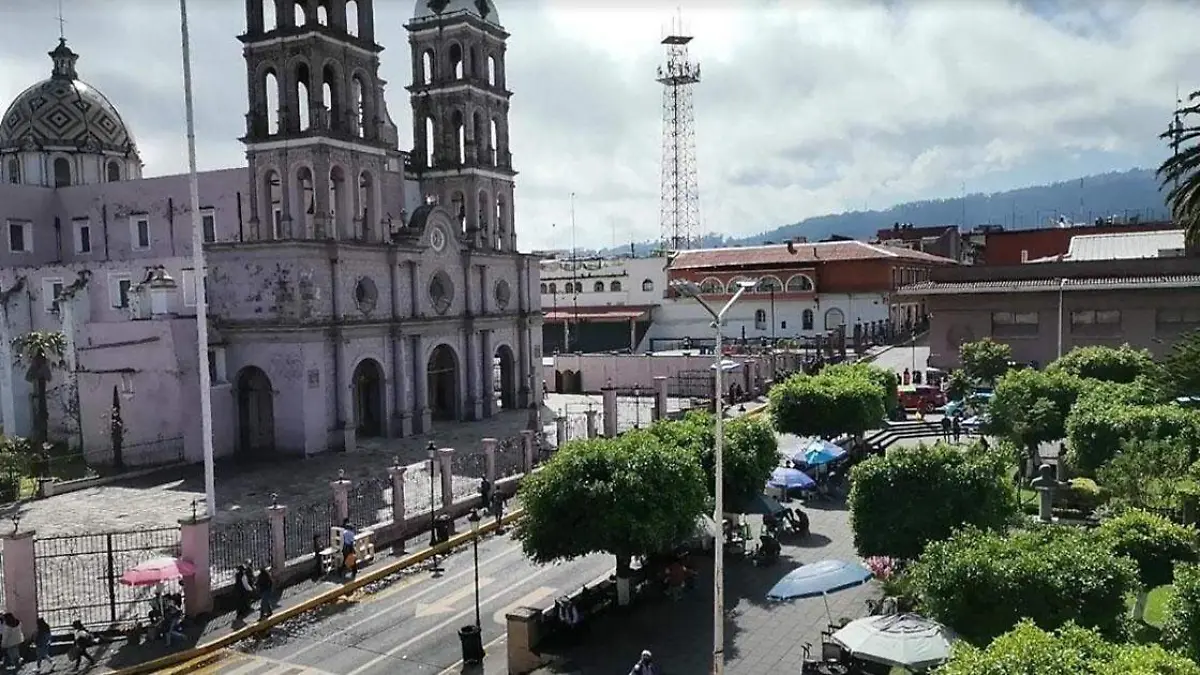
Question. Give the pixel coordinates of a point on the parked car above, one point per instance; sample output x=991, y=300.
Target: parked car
x=921, y=397
x=972, y=404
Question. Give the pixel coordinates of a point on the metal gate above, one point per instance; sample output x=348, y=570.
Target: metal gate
x=79, y=576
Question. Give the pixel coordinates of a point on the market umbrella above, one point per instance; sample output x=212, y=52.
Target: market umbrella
x=157, y=571
x=905, y=640
x=790, y=479
x=820, y=452
x=762, y=505
x=819, y=578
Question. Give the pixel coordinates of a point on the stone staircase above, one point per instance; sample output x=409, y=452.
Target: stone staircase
x=907, y=429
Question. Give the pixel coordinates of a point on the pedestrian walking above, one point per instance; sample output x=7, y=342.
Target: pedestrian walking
x=957, y=428
x=485, y=492
x=946, y=428
x=266, y=593
x=82, y=641
x=11, y=639
x=41, y=642
x=645, y=665
x=243, y=589
x=349, y=556
x=498, y=510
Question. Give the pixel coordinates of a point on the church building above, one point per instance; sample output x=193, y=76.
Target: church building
x=354, y=289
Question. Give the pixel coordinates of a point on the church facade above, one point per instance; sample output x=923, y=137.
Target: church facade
x=354, y=289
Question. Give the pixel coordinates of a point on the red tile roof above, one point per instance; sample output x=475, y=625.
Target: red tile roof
x=777, y=254
x=1048, y=285
x=599, y=314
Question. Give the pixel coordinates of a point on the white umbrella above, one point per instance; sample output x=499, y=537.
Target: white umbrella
x=727, y=366
x=904, y=640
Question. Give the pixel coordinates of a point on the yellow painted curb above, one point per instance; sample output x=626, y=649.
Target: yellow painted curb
x=758, y=411
x=183, y=658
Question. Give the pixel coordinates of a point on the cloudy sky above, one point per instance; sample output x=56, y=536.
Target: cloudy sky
x=806, y=107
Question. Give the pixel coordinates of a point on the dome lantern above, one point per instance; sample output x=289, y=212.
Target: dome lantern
x=64, y=62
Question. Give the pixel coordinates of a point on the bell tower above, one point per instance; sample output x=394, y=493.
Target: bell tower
x=318, y=136
x=460, y=107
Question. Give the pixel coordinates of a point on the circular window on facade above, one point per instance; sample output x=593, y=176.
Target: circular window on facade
x=366, y=295
x=503, y=294
x=441, y=292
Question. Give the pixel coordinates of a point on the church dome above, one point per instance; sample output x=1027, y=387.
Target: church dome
x=484, y=9
x=64, y=111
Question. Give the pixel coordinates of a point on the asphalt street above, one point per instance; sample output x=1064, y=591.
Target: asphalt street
x=412, y=626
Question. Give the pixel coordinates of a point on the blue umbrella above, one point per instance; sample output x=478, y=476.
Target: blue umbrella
x=789, y=479
x=820, y=578
x=821, y=452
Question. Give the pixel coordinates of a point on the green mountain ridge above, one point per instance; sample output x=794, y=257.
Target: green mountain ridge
x=1121, y=194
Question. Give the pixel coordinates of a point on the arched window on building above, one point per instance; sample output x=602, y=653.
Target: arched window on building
x=799, y=283
x=598, y=287
x=615, y=287
x=647, y=286
x=760, y=319
x=712, y=286
x=553, y=288
x=806, y=320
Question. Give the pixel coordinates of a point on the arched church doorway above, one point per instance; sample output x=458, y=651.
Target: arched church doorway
x=505, y=377
x=256, y=413
x=443, y=383
x=368, y=398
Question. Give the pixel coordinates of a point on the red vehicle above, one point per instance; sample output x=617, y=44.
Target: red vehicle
x=921, y=397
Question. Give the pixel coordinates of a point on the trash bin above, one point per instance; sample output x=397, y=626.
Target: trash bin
x=441, y=529
x=472, y=644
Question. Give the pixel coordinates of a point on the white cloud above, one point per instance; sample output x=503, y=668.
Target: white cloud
x=804, y=108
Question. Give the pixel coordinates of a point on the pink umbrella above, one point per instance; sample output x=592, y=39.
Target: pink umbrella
x=157, y=571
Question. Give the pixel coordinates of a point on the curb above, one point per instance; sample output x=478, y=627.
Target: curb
x=181, y=662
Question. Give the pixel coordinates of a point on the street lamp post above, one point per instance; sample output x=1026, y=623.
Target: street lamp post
x=474, y=520
x=432, y=504
x=692, y=291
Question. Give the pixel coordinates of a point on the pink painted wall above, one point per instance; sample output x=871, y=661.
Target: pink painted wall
x=626, y=371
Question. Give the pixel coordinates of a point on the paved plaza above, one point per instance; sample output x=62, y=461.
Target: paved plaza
x=761, y=636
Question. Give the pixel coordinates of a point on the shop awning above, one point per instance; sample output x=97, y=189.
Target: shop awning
x=612, y=314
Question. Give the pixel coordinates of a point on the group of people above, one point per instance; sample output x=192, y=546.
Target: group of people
x=248, y=586
x=14, y=644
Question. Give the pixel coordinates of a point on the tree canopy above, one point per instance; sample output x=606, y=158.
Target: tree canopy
x=886, y=379
x=751, y=451
x=1097, y=426
x=1030, y=407
x=891, y=498
x=828, y=404
x=986, y=360
x=983, y=583
x=1154, y=543
x=1180, y=372
x=630, y=495
x=1181, y=630
x=1070, y=650
x=1122, y=364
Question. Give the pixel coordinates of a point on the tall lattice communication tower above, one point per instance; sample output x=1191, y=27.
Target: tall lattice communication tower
x=679, y=209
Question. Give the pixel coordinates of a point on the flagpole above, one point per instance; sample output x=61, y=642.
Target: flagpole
x=200, y=273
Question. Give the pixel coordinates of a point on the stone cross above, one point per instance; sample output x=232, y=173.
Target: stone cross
x=1046, y=484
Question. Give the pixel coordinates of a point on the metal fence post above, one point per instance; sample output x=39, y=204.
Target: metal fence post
x=489, y=454
x=610, y=411
x=277, y=513
x=112, y=577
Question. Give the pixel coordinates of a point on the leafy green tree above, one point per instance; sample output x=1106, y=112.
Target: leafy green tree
x=627, y=496
x=42, y=352
x=890, y=498
x=1097, y=427
x=1181, y=630
x=827, y=405
x=751, y=451
x=959, y=385
x=1148, y=474
x=1154, y=543
x=1122, y=364
x=1030, y=407
x=986, y=360
x=1180, y=372
x=983, y=583
x=886, y=379
x=1070, y=650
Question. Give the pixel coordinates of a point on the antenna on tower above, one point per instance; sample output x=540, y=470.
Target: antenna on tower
x=1176, y=130
x=679, y=205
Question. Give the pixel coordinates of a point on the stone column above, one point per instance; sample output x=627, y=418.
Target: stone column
x=591, y=423
x=20, y=577
x=341, y=497
x=660, y=397
x=402, y=412
x=527, y=452
x=474, y=408
x=193, y=547
x=489, y=376
x=277, y=514
x=610, y=411
x=421, y=411
x=8, y=405
x=489, y=453
x=560, y=430
x=396, y=473
x=445, y=457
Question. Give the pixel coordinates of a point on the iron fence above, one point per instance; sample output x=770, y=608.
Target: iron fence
x=509, y=457
x=231, y=544
x=370, y=502
x=307, y=527
x=471, y=464
x=78, y=576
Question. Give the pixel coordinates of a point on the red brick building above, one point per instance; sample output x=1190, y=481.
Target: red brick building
x=1014, y=247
